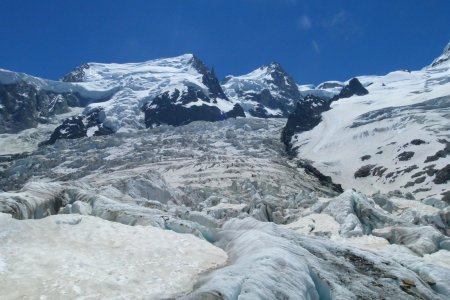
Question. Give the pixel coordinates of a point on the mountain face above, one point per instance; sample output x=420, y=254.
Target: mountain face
x=353, y=88
x=308, y=112
x=359, y=207
x=28, y=101
x=266, y=92
x=173, y=91
x=382, y=133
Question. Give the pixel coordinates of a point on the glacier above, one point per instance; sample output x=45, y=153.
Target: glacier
x=231, y=185
x=221, y=210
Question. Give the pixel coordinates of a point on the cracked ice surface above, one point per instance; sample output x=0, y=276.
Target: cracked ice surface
x=226, y=183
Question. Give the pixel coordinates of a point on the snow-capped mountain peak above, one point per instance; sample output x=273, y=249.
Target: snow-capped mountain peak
x=268, y=91
x=181, y=81
x=128, y=96
x=140, y=75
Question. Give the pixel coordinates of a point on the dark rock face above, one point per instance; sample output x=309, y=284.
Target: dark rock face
x=446, y=197
x=443, y=175
x=365, y=157
x=416, y=181
x=441, y=153
x=259, y=112
x=237, y=111
x=379, y=171
x=180, y=108
x=404, y=156
x=354, y=87
x=305, y=117
x=168, y=109
x=71, y=128
x=177, y=115
x=24, y=106
x=364, y=171
x=417, y=142
x=282, y=95
x=286, y=84
x=209, y=79
x=324, y=180
x=77, y=127
x=76, y=75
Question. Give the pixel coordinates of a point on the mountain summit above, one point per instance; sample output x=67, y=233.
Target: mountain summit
x=265, y=92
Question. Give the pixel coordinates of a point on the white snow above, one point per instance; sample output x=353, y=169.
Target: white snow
x=238, y=87
x=139, y=83
x=324, y=90
x=336, y=147
x=83, y=257
x=127, y=87
x=316, y=223
x=439, y=258
x=91, y=131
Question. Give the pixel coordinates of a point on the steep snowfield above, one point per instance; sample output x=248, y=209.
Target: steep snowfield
x=378, y=131
x=81, y=257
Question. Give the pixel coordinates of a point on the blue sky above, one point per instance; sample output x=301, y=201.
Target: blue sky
x=315, y=40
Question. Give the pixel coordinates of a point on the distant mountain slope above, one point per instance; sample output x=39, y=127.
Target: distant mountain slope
x=27, y=101
x=114, y=97
x=266, y=92
x=153, y=92
x=395, y=137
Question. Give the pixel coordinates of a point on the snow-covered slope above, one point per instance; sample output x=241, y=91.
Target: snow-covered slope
x=115, y=98
x=394, y=138
x=266, y=92
x=185, y=81
x=82, y=257
x=325, y=90
x=127, y=87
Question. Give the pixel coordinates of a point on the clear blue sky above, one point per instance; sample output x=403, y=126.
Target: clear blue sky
x=315, y=40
